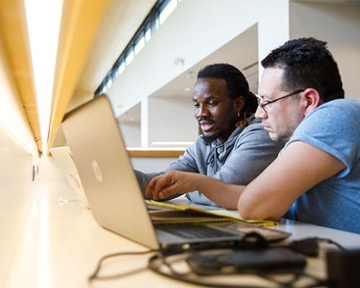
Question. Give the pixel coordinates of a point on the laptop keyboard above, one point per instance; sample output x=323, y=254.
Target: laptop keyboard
x=190, y=231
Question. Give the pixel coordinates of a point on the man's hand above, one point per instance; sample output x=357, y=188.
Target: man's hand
x=171, y=183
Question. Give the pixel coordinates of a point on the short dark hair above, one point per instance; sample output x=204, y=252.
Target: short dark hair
x=236, y=83
x=307, y=63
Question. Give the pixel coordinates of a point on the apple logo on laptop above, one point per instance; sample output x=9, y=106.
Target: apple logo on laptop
x=97, y=171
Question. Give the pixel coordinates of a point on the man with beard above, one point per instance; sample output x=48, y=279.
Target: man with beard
x=234, y=147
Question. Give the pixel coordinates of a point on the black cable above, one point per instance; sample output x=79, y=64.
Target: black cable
x=310, y=246
x=307, y=246
x=297, y=275
x=94, y=275
x=326, y=240
x=159, y=261
x=185, y=277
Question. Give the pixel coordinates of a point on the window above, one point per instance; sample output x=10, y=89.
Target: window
x=157, y=16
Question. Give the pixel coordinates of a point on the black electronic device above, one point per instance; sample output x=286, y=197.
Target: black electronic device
x=247, y=261
x=343, y=268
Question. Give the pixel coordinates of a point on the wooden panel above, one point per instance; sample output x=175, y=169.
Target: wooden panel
x=155, y=153
x=14, y=32
x=80, y=22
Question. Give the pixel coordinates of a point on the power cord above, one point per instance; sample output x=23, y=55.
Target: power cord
x=310, y=246
x=165, y=266
x=160, y=264
x=95, y=274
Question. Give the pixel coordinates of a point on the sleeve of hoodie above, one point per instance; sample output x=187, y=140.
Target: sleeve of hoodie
x=186, y=162
x=252, y=153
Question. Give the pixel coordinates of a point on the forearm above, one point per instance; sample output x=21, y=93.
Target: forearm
x=224, y=194
x=162, y=187
x=300, y=167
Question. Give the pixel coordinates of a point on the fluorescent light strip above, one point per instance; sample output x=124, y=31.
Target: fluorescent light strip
x=43, y=22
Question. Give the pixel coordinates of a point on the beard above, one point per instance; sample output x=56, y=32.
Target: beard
x=210, y=138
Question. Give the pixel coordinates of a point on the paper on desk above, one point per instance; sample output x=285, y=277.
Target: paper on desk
x=171, y=213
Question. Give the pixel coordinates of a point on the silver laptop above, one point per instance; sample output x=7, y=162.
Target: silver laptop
x=114, y=196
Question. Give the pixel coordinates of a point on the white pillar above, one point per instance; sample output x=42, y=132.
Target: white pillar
x=273, y=26
x=144, y=123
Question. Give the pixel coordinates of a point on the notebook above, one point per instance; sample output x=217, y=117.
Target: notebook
x=112, y=191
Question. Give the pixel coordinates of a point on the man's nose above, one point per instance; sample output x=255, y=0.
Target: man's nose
x=202, y=111
x=260, y=113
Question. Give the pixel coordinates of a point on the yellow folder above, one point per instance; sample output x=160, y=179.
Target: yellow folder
x=165, y=212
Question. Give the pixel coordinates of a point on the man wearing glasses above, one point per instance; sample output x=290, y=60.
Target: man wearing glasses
x=316, y=178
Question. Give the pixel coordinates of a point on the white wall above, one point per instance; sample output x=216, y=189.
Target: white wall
x=16, y=165
x=339, y=25
x=16, y=194
x=131, y=134
x=150, y=164
x=273, y=26
x=171, y=119
x=188, y=33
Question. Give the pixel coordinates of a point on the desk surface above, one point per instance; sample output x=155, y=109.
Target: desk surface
x=61, y=245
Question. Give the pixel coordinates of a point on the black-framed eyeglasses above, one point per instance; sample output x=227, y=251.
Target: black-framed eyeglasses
x=265, y=102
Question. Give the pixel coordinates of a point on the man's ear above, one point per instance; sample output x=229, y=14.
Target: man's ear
x=239, y=103
x=311, y=99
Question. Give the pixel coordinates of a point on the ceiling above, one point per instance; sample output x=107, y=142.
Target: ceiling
x=241, y=52
x=92, y=35
x=122, y=20
x=182, y=85
x=117, y=29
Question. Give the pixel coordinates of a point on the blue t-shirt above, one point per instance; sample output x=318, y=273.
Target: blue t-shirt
x=333, y=127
